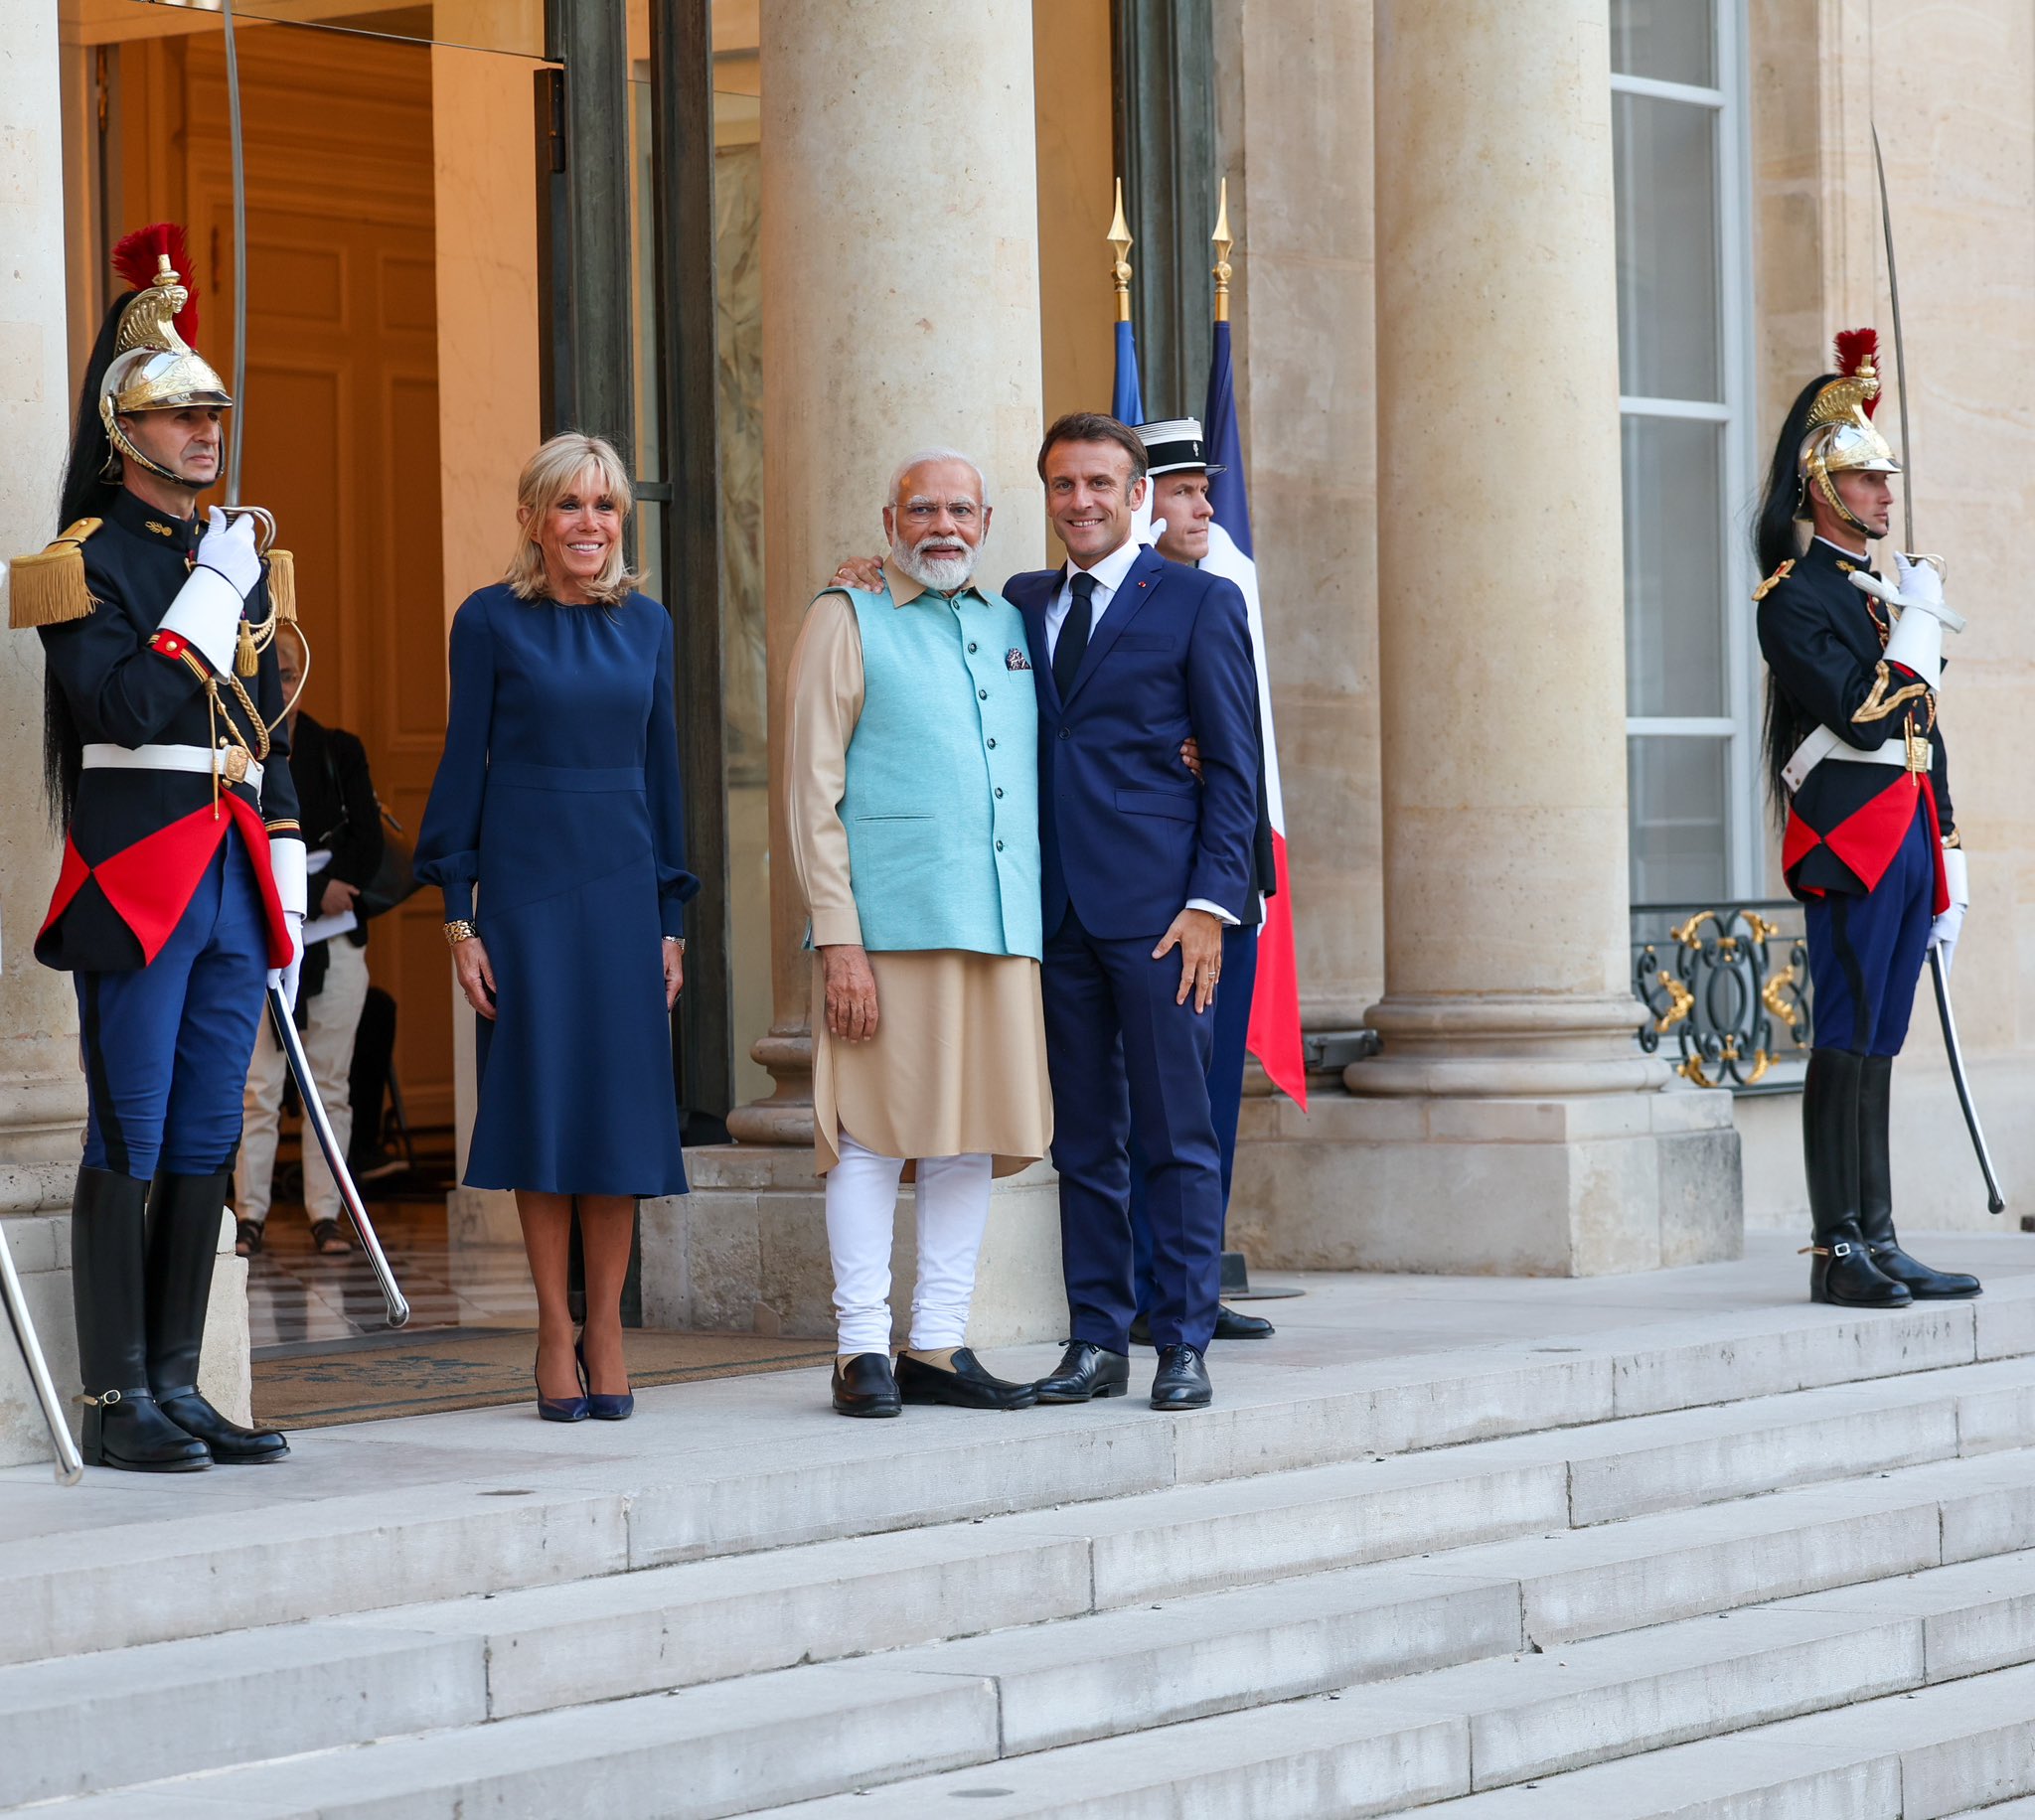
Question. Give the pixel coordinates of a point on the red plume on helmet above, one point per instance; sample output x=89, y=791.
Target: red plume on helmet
x=136, y=260
x=1858, y=352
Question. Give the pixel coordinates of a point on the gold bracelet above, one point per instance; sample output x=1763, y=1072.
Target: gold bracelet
x=455, y=933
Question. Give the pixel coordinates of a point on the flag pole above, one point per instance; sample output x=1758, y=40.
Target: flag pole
x=1222, y=241
x=1119, y=237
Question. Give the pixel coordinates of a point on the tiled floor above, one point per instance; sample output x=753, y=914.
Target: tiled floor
x=295, y=1295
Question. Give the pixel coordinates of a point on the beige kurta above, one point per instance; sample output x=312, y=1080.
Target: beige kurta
x=958, y=1061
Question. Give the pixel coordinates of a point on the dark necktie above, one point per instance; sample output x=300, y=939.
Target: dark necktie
x=1073, y=644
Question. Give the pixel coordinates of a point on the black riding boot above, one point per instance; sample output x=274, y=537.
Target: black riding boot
x=124, y=1427
x=183, y=1246
x=1876, y=1195
x=1840, y=1270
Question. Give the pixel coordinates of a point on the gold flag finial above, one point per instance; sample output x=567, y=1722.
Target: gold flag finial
x=1222, y=241
x=1119, y=237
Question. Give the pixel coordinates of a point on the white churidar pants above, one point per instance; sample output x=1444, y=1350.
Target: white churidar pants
x=334, y=1015
x=862, y=1206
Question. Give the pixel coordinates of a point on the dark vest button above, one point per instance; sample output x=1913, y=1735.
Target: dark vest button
x=981, y=694
x=1063, y=733
x=992, y=744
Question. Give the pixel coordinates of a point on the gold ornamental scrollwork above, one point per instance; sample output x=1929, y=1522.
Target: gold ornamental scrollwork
x=1730, y=994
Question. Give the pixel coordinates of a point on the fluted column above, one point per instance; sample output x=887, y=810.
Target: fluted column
x=1501, y=642
x=900, y=289
x=42, y=1093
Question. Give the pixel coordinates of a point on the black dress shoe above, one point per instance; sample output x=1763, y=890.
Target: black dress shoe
x=966, y=1387
x=864, y=1386
x=1086, y=1371
x=1183, y=1380
x=1230, y=1325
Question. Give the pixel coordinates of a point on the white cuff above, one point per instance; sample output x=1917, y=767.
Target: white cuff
x=1918, y=644
x=1214, y=910
x=286, y=862
x=207, y=614
x=1957, y=876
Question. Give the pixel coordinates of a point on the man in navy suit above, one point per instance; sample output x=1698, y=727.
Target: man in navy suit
x=1142, y=869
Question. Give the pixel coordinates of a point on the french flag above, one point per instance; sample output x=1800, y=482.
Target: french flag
x=1274, y=1036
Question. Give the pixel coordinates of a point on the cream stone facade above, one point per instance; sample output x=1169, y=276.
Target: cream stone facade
x=1426, y=337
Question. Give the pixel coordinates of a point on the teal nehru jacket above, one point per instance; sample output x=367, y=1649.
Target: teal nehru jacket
x=941, y=804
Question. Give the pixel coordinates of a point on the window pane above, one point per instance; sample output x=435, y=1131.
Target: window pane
x=1665, y=169
x=1677, y=791
x=1674, y=555
x=1667, y=40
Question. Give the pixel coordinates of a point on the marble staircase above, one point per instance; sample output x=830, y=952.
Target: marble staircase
x=1676, y=1546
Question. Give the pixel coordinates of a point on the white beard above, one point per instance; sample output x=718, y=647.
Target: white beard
x=942, y=573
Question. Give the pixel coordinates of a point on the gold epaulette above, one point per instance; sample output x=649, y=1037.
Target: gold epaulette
x=282, y=584
x=1774, y=581
x=49, y=589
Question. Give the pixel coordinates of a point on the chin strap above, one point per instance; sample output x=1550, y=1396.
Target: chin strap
x=1827, y=489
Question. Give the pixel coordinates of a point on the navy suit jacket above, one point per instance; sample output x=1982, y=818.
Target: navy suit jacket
x=1125, y=833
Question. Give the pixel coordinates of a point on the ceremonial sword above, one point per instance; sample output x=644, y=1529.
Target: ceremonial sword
x=335, y=1157
x=70, y=1469
x=1996, y=1200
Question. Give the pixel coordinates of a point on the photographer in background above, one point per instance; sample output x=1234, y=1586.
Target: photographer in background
x=343, y=832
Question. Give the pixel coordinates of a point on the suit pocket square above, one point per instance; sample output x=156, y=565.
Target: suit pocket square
x=1014, y=658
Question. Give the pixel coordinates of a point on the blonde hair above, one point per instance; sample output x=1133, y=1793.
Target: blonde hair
x=547, y=476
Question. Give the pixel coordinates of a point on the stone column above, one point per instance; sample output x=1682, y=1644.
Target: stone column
x=42, y=1094
x=900, y=287
x=900, y=310
x=1508, y=1021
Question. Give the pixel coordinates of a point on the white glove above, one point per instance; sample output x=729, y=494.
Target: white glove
x=1916, y=644
x=1943, y=932
x=207, y=611
x=287, y=976
x=228, y=546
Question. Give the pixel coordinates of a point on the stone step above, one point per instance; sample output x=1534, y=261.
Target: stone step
x=691, y=1755
x=778, y=1744
x=1107, y=1672
x=307, y=1556
x=1594, y=1730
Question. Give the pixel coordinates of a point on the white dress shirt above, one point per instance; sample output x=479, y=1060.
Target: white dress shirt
x=1108, y=575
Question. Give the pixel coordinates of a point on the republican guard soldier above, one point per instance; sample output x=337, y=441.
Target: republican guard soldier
x=1855, y=752
x=181, y=890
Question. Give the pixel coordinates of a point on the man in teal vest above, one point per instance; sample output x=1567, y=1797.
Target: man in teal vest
x=912, y=781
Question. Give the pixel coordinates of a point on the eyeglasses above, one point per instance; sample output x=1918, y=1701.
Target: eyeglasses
x=924, y=512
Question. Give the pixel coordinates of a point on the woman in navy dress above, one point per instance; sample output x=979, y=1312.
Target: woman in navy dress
x=559, y=797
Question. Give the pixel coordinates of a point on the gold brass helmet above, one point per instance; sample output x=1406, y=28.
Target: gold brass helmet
x=153, y=366
x=1841, y=437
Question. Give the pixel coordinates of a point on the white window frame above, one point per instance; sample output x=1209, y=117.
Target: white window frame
x=1745, y=843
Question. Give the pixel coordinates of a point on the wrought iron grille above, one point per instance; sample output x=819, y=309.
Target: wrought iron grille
x=1727, y=985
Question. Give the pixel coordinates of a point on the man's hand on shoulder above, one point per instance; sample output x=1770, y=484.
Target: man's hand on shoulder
x=1199, y=936
x=864, y=573
x=850, y=985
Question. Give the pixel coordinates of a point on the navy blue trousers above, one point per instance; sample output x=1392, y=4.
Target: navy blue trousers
x=1125, y=1057
x=1865, y=954
x=166, y=1046
x=1226, y=1057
